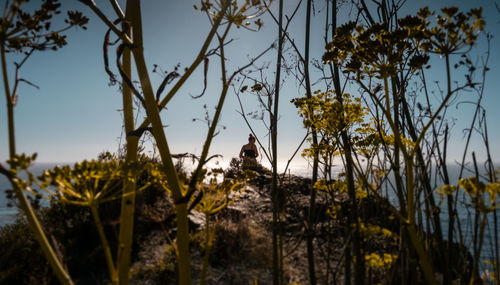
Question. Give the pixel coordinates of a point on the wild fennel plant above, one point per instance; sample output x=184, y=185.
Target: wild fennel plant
x=25, y=33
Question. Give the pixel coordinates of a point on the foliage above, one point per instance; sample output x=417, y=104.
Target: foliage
x=24, y=262
x=329, y=117
x=22, y=31
x=382, y=59
x=378, y=51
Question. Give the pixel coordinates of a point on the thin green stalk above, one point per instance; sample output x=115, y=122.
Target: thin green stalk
x=10, y=104
x=430, y=201
x=215, y=121
x=24, y=204
x=422, y=256
x=184, y=264
x=412, y=232
x=477, y=254
x=208, y=247
x=199, y=58
x=125, y=38
x=129, y=186
x=477, y=222
x=410, y=201
x=226, y=83
x=153, y=114
x=104, y=243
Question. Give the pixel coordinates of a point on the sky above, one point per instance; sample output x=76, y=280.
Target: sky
x=75, y=114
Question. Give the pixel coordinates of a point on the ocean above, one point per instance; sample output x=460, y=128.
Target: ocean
x=8, y=211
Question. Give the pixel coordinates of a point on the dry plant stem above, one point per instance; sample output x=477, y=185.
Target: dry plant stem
x=477, y=254
x=226, y=82
x=293, y=155
x=118, y=11
x=215, y=121
x=129, y=186
x=451, y=220
x=491, y=173
x=199, y=58
x=24, y=204
x=492, y=178
x=125, y=38
x=314, y=135
x=479, y=221
x=242, y=113
x=431, y=204
x=349, y=165
x=410, y=199
x=277, y=231
x=104, y=242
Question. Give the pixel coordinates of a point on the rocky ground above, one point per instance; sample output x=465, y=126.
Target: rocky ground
x=242, y=251
x=242, y=246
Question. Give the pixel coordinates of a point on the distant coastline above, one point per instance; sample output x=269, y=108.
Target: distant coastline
x=8, y=214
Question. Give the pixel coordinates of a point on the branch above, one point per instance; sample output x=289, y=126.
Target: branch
x=126, y=79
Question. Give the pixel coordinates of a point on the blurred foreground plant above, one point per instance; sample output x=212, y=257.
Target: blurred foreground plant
x=89, y=184
x=23, y=32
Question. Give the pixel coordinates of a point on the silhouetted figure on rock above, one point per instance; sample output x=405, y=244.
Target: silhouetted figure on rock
x=249, y=152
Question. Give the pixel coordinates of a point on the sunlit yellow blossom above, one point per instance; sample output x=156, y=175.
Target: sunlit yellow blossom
x=386, y=233
x=374, y=261
x=333, y=211
x=446, y=190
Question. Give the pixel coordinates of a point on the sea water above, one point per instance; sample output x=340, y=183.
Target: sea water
x=8, y=210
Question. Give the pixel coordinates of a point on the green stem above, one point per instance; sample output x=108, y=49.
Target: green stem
x=10, y=105
x=104, y=243
x=194, y=65
x=24, y=204
x=161, y=141
x=129, y=186
x=410, y=222
x=108, y=22
x=208, y=247
x=477, y=254
x=423, y=258
x=215, y=121
x=184, y=264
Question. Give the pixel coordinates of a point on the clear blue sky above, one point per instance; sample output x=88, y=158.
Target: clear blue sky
x=74, y=115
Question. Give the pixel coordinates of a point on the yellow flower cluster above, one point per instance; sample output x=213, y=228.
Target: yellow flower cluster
x=485, y=195
x=370, y=231
x=446, y=190
x=374, y=260
x=328, y=186
x=333, y=211
x=361, y=194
